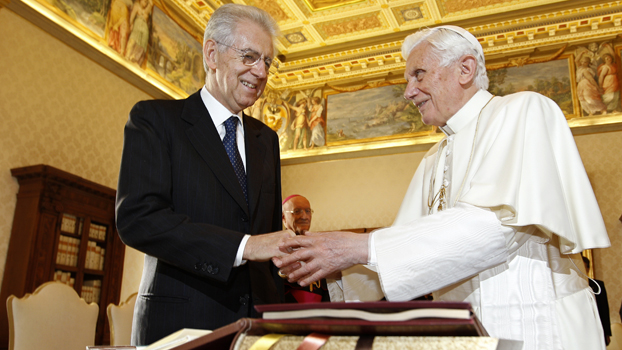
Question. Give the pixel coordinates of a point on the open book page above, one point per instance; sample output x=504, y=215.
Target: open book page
x=370, y=316
x=247, y=342
x=180, y=337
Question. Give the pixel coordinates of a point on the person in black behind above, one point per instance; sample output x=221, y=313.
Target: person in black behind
x=199, y=211
x=600, y=293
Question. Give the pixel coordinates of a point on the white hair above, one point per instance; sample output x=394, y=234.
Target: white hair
x=222, y=25
x=448, y=46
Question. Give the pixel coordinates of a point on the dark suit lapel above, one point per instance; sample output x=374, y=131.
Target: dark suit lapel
x=204, y=137
x=255, y=154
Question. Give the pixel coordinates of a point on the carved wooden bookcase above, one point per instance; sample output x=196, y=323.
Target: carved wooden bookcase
x=63, y=229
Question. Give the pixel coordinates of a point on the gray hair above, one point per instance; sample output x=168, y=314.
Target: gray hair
x=224, y=21
x=448, y=46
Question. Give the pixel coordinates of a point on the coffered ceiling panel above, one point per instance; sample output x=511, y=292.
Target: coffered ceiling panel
x=317, y=27
x=354, y=42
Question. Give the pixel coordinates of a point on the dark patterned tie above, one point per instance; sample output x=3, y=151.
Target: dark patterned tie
x=231, y=146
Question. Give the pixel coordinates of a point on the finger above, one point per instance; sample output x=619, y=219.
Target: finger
x=295, y=241
x=307, y=280
x=306, y=269
x=291, y=268
x=295, y=256
x=284, y=250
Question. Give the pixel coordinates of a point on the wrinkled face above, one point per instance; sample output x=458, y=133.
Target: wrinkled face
x=299, y=223
x=234, y=84
x=433, y=89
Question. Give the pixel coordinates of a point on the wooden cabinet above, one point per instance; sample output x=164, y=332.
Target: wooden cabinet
x=63, y=228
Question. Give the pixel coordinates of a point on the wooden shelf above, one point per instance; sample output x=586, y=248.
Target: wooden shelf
x=54, y=207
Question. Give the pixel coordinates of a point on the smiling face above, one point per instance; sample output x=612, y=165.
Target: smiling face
x=435, y=90
x=232, y=83
x=299, y=223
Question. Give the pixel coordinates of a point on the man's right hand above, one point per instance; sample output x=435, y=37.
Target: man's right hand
x=319, y=254
x=266, y=246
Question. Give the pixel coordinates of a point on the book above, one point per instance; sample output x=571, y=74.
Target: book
x=416, y=330
x=418, y=317
x=178, y=338
x=369, y=315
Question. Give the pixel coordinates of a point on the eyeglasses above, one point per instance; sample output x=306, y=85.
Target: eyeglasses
x=299, y=211
x=250, y=57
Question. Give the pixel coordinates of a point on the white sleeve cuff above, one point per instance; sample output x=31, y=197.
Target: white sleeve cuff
x=238, y=257
x=371, y=253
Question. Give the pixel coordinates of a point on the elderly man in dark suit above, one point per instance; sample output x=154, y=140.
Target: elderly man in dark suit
x=199, y=188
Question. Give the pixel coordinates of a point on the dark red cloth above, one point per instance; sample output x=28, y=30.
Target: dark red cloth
x=314, y=293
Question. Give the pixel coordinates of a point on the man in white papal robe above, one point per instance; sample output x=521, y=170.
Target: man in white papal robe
x=495, y=215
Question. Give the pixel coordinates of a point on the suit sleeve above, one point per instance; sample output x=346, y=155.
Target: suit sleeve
x=145, y=212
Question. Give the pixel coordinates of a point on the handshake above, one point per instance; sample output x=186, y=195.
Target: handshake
x=311, y=256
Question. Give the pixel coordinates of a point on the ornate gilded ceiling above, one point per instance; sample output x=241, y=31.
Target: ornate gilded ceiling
x=345, y=40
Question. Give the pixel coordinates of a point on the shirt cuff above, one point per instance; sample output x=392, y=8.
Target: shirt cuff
x=371, y=253
x=238, y=258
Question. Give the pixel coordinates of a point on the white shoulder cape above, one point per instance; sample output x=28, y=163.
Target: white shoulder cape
x=524, y=166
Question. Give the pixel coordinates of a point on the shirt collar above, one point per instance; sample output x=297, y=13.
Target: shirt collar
x=217, y=111
x=467, y=113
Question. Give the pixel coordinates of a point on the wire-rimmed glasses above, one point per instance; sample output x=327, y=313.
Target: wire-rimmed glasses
x=250, y=57
x=299, y=211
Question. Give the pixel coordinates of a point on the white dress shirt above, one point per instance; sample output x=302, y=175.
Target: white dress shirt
x=220, y=114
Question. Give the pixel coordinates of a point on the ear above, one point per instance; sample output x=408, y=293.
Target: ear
x=210, y=51
x=468, y=66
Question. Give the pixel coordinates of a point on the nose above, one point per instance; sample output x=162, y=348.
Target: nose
x=259, y=69
x=411, y=90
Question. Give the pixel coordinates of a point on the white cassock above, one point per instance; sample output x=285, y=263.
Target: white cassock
x=518, y=205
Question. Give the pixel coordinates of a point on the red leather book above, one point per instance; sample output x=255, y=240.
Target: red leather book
x=436, y=322
x=372, y=318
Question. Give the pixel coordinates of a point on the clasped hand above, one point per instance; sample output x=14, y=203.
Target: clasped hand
x=315, y=255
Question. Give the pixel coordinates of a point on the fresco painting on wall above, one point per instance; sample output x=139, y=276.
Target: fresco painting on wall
x=174, y=54
x=374, y=114
x=598, y=89
x=141, y=34
x=379, y=113
x=139, y=30
x=299, y=118
x=551, y=79
x=89, y=13
x=128, y=29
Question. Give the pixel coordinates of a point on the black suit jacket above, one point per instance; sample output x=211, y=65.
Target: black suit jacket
x=179, y=202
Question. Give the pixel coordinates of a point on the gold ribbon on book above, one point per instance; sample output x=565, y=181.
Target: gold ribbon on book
x=266, y=342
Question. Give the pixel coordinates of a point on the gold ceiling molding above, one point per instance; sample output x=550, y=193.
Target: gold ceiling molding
x=521, y=61
x=369, y=85
x=560, y=29
x=317, y=27
x=352, y=26
x=276, y=9
x=465, y=8
x=318, y=5
x=451, y=6
x=351, y=42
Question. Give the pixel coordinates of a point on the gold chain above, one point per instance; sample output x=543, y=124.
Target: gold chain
x=441, y=194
